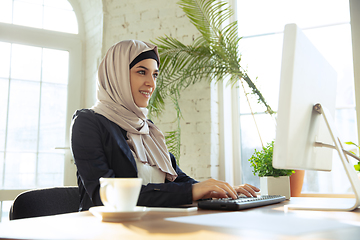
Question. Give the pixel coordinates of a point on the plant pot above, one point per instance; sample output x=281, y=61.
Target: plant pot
x=296, y=182
x=275, y=186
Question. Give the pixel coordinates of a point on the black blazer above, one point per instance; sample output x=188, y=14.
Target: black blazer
x=100, y=149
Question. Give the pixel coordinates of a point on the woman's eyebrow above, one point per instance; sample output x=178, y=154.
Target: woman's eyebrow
x=157, y=70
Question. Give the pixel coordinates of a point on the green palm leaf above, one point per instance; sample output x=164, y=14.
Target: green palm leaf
x=212, y=56
x=173, y=137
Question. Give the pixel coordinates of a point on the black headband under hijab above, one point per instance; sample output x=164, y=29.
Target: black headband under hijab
x=145, y=55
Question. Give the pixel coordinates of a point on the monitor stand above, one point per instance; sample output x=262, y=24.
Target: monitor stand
x=334, y=204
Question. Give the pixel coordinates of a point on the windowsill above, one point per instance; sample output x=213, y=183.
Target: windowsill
x=10, y=194
x=328, y=195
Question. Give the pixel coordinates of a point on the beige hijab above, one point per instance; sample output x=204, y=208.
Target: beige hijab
x=116, y=103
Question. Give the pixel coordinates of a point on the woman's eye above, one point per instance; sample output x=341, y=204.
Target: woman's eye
x=155, y=75
x=142, y=72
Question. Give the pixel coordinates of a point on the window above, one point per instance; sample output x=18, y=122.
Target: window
x=261, y=24
x=40, y=81
x=34, y=94
x=46, y=14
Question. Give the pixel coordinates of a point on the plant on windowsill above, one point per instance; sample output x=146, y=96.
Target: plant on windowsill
x=272, y=181
x=356, y=166
x=212, y=57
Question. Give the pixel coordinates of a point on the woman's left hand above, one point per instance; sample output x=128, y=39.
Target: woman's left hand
x=247, y=189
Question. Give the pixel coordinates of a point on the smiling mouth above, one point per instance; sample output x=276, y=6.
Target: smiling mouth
x=147, y=94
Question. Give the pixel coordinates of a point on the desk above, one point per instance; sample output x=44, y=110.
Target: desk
x=175, y=225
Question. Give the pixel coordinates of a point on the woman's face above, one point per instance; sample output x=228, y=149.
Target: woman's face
x=143, y=81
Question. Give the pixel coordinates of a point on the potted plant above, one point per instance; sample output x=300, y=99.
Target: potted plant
x=356, y=166
x=272, y=181
x=296, y=182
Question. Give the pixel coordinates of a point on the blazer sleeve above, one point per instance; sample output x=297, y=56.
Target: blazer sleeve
x=169, y=193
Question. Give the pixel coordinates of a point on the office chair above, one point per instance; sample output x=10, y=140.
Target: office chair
x=45, y=202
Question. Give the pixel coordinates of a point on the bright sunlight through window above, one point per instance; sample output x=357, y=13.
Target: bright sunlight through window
x=46, y=14
x=327, y=24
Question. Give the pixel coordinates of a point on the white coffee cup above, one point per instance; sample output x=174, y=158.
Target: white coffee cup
x=120, y=194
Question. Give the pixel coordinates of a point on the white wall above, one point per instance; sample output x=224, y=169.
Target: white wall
x=92, y=13
x=107, y=22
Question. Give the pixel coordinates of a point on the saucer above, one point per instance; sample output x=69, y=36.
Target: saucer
x=109, y=215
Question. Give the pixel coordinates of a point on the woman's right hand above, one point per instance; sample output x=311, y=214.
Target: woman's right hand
x=212, y=188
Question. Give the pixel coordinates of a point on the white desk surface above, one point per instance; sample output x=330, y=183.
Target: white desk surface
x=268, y=222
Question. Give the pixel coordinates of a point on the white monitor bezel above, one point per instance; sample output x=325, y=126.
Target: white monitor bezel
x=306, y=79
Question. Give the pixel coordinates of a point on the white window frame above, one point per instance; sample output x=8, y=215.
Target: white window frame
x=60, y=41
x=229, y=127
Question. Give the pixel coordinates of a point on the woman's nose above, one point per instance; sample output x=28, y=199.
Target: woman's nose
x=151, y=81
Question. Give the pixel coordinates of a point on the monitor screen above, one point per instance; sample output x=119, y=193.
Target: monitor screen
x=306, y=79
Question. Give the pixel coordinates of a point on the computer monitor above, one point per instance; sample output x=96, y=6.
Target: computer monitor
x=308, y=80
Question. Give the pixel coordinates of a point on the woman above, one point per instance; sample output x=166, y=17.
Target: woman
x=115, y=139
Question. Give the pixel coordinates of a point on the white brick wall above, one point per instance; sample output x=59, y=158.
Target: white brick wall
x=147, y=20
x=92, y=16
